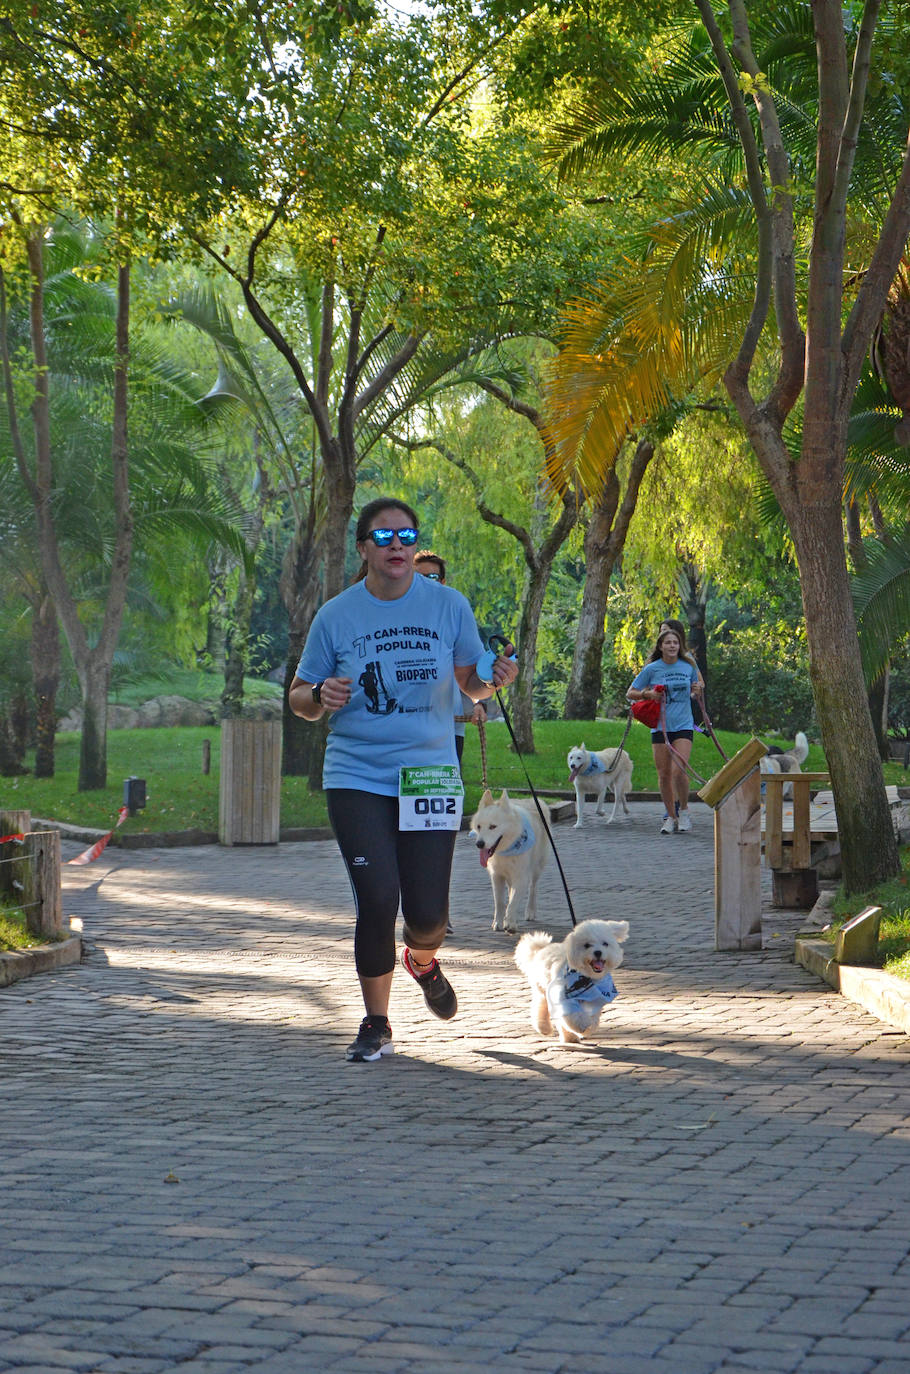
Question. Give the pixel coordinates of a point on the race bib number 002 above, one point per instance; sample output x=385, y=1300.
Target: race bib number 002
x=430, y=798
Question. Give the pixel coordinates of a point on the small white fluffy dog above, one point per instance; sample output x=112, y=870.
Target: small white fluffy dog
x=787, y=760
x=571, y=982
x=595, y=771
x=513, y=850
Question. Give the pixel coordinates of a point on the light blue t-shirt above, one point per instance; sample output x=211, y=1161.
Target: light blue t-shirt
x=400, y=656
x=678, y=678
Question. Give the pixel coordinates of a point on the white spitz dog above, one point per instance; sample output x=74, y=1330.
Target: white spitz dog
x=786, y=761
x=571, y=982
x=513, y=849
x=594, y=770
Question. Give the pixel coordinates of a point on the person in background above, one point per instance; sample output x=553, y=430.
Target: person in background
x=431, y=565
x=678, y=679
x=380, y=658
x=684, y=650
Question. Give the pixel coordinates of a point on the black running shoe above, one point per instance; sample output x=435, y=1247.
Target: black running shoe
x=373, y=1040
x=438, y=992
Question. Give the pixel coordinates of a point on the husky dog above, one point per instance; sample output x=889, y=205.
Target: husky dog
x=786, y=760
x=513, y=848
x=571, y=982
x=595, y=771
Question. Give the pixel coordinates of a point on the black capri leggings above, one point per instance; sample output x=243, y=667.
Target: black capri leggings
x=385, y=864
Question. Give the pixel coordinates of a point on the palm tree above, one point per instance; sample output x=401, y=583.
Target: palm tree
x=878, y=473
x=791, y=116
x=88, y=528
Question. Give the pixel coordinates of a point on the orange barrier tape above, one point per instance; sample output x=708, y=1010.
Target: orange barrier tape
x=90, y=854
x=5, y=839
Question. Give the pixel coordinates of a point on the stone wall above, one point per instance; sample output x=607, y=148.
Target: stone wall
x=173, y=710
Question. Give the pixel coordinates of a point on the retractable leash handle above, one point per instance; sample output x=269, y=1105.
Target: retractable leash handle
x=485, y=663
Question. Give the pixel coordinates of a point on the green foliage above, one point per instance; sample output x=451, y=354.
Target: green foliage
x=899, y=701
x=758, y=681
x=14, y=932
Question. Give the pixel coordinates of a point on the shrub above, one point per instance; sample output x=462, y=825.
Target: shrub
x=753, y=686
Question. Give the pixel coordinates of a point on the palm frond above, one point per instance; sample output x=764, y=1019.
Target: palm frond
x=654, y=332
x=881, y=599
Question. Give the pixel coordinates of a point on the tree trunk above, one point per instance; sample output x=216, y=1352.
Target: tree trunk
x=235, y=650
x=878, y=710
x=605, y=540
x=522, y=694
x=868, y=844
x=302, y=744
x=694, y=594
x=11, y=765
x=586, y=675
x=45, y=655
x=95, y=680
x=539, y=567
x=93, y=663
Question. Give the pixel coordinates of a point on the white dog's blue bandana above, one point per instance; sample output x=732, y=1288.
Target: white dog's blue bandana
x=526, y=840
x=595, y=765
x=571, y=989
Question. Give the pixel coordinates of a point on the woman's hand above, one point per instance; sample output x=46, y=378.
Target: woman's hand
x=505, y=668
x=335, y=692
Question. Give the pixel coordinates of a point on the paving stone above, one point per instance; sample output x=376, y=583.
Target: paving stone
x=717, y=1181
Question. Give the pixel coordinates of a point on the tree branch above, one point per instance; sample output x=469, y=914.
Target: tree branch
x=870, y=299
x=492, y=517
x=475, y=62
x=781, y=262
x=388, y=374
x=512, y=403
x=15, y=433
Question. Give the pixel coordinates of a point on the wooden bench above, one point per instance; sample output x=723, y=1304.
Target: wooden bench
x=788, y=852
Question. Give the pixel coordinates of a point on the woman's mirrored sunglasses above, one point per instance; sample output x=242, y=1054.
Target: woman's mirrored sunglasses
x=383, y=538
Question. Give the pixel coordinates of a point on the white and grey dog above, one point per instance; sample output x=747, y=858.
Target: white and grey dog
x=594, y=770
x=786, y=760
x=513, y=849
x=571, y=982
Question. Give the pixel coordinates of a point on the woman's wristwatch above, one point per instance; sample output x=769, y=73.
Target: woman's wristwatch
x=316, y=691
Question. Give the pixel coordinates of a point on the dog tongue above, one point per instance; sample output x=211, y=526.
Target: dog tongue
x=484, y=857
x=574, y=774
x=597, y=964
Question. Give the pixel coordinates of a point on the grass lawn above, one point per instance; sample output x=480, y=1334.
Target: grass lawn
x=181, y=797
x=894, y=934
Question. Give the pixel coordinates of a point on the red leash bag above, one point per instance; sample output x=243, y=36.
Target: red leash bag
x=648, y=712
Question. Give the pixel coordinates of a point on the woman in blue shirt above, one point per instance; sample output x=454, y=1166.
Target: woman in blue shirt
x=380, y=658
x=678, y=678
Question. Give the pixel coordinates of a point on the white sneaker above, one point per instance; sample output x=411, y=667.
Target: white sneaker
x=668, y=826
x=685, y=821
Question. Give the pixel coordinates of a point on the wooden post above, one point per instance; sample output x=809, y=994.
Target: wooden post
x=40, y=868
x=250, y=783
x=737, y=866
x=788, y=854
x=12, y=823
x=735, y=794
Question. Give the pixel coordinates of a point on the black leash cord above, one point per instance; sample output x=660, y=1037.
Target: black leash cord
x=546, y=823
